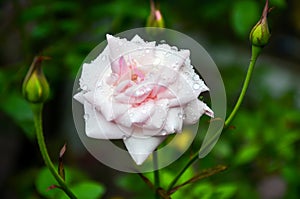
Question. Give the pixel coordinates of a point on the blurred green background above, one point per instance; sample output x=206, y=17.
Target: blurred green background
x=262, y=150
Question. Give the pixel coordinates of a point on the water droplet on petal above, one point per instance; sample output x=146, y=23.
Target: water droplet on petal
x=182, y=116
x=99, y=85
x=174, y=48
x=187, y=73
x=196, y=86
x=124, y=137
x=120, y=43
x=164, y=133
x=196, y=77
x=103, y=57
x=86, y=116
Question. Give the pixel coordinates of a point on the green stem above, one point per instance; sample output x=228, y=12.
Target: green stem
x=190, y=162
x=255, y=53
x=156, y=174
x=37, y=112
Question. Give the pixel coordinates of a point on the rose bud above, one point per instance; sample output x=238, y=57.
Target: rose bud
x=35, y=87
x=155, y=18
x=260, y=35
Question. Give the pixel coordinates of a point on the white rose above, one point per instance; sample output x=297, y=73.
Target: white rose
x=140, y=92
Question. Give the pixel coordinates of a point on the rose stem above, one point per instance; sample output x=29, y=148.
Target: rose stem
x=254, y=56
x=190, y=162
x=255, y=53
x=156, y=174
x=37, y=112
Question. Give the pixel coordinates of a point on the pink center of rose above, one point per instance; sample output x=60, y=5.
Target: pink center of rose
x=129, y=71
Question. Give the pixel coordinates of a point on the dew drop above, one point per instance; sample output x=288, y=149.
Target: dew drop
x=174, y=48
x=86, y=116
x=124, y=137
x=181, y=116
x=196, y=78
x=103, y=57
x=186, y=73
x=99, y=85
x=120, y=43
x=196, y=86
x=164, y=133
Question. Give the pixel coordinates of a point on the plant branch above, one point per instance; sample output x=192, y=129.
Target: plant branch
x=156, y=174
x=37, y=112
x=190, y=162
x=203, y=174
x=255, y=53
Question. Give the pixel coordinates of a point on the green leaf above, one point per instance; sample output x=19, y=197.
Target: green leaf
x=244, y=16
x=203, y=191
x=16, y=107
x=247, y=154
x=87, y=190
x=226, y=191
x=43, y=181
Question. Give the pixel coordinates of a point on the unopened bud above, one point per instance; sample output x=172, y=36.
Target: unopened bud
x=260, y=34
x=155, y=18
x=35, y=87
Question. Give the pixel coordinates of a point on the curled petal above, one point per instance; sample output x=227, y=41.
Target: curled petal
x=119, y=66
x=194, y=110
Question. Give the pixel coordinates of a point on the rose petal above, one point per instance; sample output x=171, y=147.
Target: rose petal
x=157, y=118
x=141, y=114
x=119, y=66
x=109, y=108
x=122, y=86
x=140, y=148
x=174, y=120
x=167, y=76
x=194, y=110
x=92, y=71
x=79, y=97
x=138, y=51
x=171, y=58
x=96, y=126
x=186, y=90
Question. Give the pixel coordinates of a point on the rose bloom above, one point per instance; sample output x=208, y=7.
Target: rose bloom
x=140, y=92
